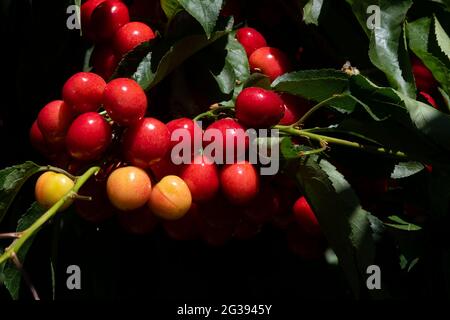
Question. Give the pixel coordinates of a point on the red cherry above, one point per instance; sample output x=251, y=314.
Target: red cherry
x=165, y=167
x=305, y=217
x=130, y=35
x=88, y=136
x=184, y=228
x=37, y=139
x=259, y=108
x=104, y=61
x=425, y=80
x=189, y=127
x=86, y=11
x=146, y=142
x=294, y=108
x=428, y=98
x=270, y=61
x=107, y=18
x=139, y=221
x=236, y=143
x=54, y=120
x=99, y=208
x=202, y=178
x=240, y=182
x=250, y=39
x=125, y=101
x=83, y=92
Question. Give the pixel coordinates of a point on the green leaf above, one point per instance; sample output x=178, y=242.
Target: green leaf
x=317, y=85
x=311, y=12
x=258, y=80
x=342, y=219
x=446, y=98
x=290, y=150
x=11, y=180
x=205, y=12
x=131, y=60
x=406, y=169
x=402, y=224
x=165, y=57
x=12, y=275
x=226, y=79
x=237, y=59
x=442, y=38
x=423, y=43
x=171, y=8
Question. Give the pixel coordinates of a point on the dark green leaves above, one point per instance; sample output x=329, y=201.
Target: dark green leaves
x=406, y=169
x=399, y=223
x=311, y=11
x=205, y=12
x=12, y=275
x=171, y=8
x=11, y=180
x=344, y=222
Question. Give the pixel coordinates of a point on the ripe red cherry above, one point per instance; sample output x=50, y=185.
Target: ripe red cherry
x=188, y=126
x=425, y=80
x=236, y=137
x=125, y=101
x=250, y=39
x=270, y=61
x=305, y=217
x=202, y=178
x=146, y=142
x=83, y=92
x=37, y=139
x=165, y=167
x=294, y=109
x=130, y=35
x=86, y=11
x=104, y=61
x=107, y=18
x=54, y=120
x=88, y=136
x=259, y=108
x=240, y=182
x=139, y=221
x=428, y=98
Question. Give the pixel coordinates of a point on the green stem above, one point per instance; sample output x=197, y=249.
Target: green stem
x=212, y=113
x=58, y=170
x=315, y=108
x=342, y=142
x=34, y=228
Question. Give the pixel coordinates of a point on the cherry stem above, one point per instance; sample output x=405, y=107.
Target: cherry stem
x=37, y=225
x=10, y=235
x=212, y=113
x=59, y=170
x=26, y=277
x=315, y=108
x=342, y=142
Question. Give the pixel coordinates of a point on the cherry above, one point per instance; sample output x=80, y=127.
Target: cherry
x=170, y=199
x=240, y=182
x=130, y=35
x=83, y=92
x=264, y=206
x=232, y=136
x=99, y=208
x=107, y=18
x=128, y=188
x=202, y=178
x=88, y=136
x=425, y=80
x=189, y=127
x=86, y=11
x=428, y=98
x=146, y=142
x=165, y=167
x=259, y=108
x=294, y=108
x=305, y=217
x=38, y=141
x=104, y=61
x=51, y=187
x=125, y=101
x=139, y=221
x=270, y=61
x=184, y=228
x=54, y=120
x=306, y=246
x=250, y=39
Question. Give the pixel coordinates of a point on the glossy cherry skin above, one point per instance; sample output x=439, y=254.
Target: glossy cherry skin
x=83, y=92
x=146, y=142
x=202, y=178
x=130, y=35
x=128, y=188
x=86, y=11
x=107, y=18
x=51, y=187
x=250, y=39
x=259, y=108
x=305, y=217
x=38, y=141
x=104, y=61
x=189, y=127
x=125, y=101
x=239, y=182
x=140, y=221
x=88, y=136
x=234, y=131
x=294, y=109
x=54, y=120
x=269, y=61
x=425, y=80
